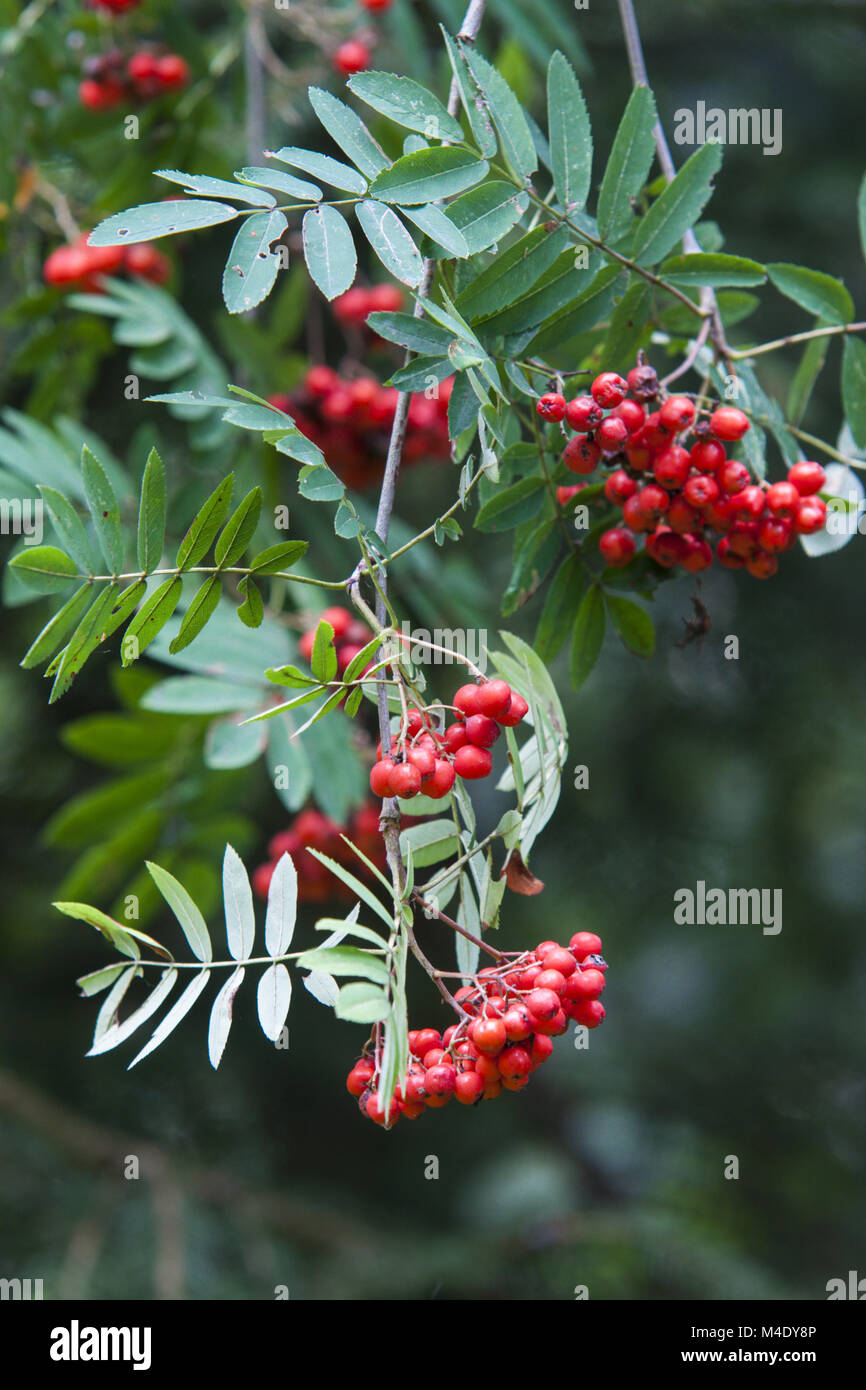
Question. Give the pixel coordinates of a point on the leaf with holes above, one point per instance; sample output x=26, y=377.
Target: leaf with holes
x=253, y=266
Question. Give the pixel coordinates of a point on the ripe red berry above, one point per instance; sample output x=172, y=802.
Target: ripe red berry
x=783, y=499
x=100, y=96
x=589, y=1012
x=482, y=731
x=565, y=494
x=672, y=466
x=619, y=487
x=581, y=454
x=609, y=389
x=733, y=477
x=455, y=736
x=494, y=699
x=425, y=1038
x=585, y=943
x=376, y=4
x=514, y=1063
x=701, y=490
x=172, y=71
x=442, y=781
x=808, y=478
x=654, y=433
x=380, y=778
x=543, y=1003
x=488, y=1035
x=466, y=700
x=518, y=1023
x=634, y=515
x=359, y=1077
x=728, y=557
x=616, y=546
x=468, y=1087
x=728, y=423
x=776, y=533
x=677, y=413
x=516, y=713
x=143, y=259
x=666, y=547
x=550, y=979
x=405, y=780
x=352, y=56
x=762, y=565
x=583, y=413
x=611, y=434
x=696, y=556
x=811, y=516
x=551, y=406
x=680, y=517
x=632, y=414
x=708, y=455
x=585, y=984
x=653, y=501
x=541, y=1049
x=471, y=762
x=748, y=504
x=562, y=960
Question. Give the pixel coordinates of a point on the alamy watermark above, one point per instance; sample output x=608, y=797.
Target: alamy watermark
x=737, y=126
x=441, y=646
x=22, y=516
x=732, y=907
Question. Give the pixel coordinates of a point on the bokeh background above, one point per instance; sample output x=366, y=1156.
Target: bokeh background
x=608, y=1171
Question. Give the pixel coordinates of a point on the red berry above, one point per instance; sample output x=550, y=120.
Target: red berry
x=100, y=96
x=518, y=1023
x=612, y=434
x=551, y=406
x=776, y=533
x=141, y=67
x=762, y=565
x=468, y=1087
x=424, y=760
x=701, y=490
x=634, y=515
x=619, y=487
x=616, y=546
x=172, y=70
x=455, y=737
x=585, y=984
x=680, y=517
x=734, y=477
x=466, y=700
x=585, y=943
x=405, y=780
x=697, y=554
x=811, y=516
x=581, y=454
x=481, y=731
x=677, y=413
x=728, y=423
x=488, y=1035
x=807, y=478
x=561, y=960
x=653, y=501
x=543, y=1003
x=654, y=433
x=359, y=1077
x=565, y=494
x=672, y=466
x=433, y=1057
x=442, y=781
x=541, y=1049
x=583, y=413
x=609, y=389
x=425, y=1038
x=494, y=699
x=589, y=1012
x=632, y=414
x=550, y=979
x=544, y=948
x=728, y=557
x=514, y=1063
x=375, y=4
x=262, y=879
x=708, y=455
x=748, y=504
x=666, y=547
x=471, y=762
x=143, y=259
x=783, y=499
x=380, y=778
x=352, y=56
x=516, y=713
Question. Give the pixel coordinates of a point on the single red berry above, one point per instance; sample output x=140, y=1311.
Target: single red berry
x=609, y=389
x=734, y=477
x=639, y=456
x=701, y=490
x=376, y=4
x=433, y=1057
x=544, y=948
x=585, y=984
x=744, y=538
x=585, y=943
x=611, y=434
x=172, y=71
x=425, y=1038
x=468, y=1087
x=488, y=1035
x=783, y=499
x=466, y=700
x=634, y=515
x=728, y=557
x=514, y=1063
x=589, y=1012
x=262, y=879
x=718, y=515
x=518, y=1023
x=352, y=56
x=442, y=781
x=581, y=454
x=616, y=546
x=562, y=960
x=672, y=466
x=811, y=516
x=143, y=259
x=762, y=565
x=380, y=778
x=405, y=780
x=748, y=504
x=666, y=547
x=424, y=760
x=583, y=413
x=359, y=1077
x=320, y=380
x=550, y=979
x=541, y=1049
x=708, y=455
x=551, y=406
x=565, y=494
x=100, y=96
x=518, y=710
x=808, y=478
x=677, y=413
x=728, y=423
x=680, y=517
x=776, y=533
x=455, y=736
x=653, y=501
x=494, y=699
x=654, y=433
x=554, y=1026
x=632, y=415
x=543, y=1003
x=696, y=556
x=482, y=731
x=619, y=487
x=471, y=762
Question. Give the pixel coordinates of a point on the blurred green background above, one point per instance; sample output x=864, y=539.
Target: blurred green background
x=608, y=1171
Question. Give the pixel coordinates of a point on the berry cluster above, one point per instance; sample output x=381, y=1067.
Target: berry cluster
x=352, y=307
x=515, y=1011
x=111, y=78
x=350, y=420
x=313, y=830
x=421, y=759
x=83, y=266
x=675, y=483
x=350, y=636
